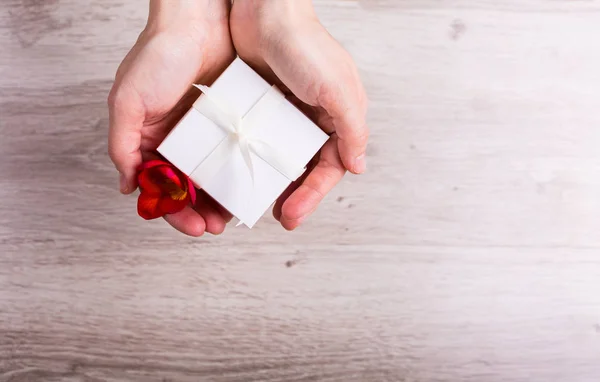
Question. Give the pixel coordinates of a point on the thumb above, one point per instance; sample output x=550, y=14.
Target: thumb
x=320, y=72
x=126, y=118
x=345, y=102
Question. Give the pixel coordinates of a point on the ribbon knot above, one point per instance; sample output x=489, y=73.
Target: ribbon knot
x=240, y=133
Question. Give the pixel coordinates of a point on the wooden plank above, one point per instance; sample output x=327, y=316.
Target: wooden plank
x=469, y=252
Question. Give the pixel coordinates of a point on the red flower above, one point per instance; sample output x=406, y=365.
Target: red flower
x=164, y=190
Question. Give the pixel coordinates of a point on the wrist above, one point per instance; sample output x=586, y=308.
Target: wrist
x=274, y=17
x=169, y=14
x=285, y=12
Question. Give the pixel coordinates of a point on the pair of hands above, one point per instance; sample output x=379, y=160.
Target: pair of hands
x=193, y=41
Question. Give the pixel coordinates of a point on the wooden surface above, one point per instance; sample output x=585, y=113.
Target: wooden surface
x=470, y=252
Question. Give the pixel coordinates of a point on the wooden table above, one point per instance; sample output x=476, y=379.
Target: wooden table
x=469, y=252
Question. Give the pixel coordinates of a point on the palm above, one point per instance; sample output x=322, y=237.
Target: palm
x=152, y=92
x=304, y=62
x=161, y=79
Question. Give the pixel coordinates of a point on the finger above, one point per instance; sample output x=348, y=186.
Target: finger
x=126, y=118
x=188, y=222
x=324, y=121
x=227, y=216
x=320, y=181
x=282, y=199
x=346, y=105
x=330, y=80
x=292, y=188
x=205, y=206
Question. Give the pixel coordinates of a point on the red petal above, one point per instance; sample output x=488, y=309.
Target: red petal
x=171, y=173
x=148, y=206
x=191, y=190
x=146, y=182
x=167, y=205
x=153, y=163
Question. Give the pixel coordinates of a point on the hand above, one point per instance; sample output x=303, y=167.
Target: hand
x=284, y=41
x=183, y=43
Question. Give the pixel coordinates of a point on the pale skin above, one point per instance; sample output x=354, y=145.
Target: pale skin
x=193, y=41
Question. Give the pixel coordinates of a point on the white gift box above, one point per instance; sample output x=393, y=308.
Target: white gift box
x=243, y=143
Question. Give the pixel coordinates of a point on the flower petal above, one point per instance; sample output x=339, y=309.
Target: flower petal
x=148, y=206
x=170, y=173
x=165, y=190
x=169, y=206
x=191, y=190
x=153, y=163
x=147, y=182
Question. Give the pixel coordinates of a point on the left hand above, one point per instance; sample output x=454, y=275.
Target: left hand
x=184, y=42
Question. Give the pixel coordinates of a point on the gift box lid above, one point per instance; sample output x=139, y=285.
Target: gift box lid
x=285, y=128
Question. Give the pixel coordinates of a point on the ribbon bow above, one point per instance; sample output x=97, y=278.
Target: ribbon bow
x=240, y=134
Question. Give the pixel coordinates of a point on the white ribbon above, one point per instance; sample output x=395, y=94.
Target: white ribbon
x=240, y=134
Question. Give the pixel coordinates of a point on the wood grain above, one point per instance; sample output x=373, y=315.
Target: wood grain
x=469, y=252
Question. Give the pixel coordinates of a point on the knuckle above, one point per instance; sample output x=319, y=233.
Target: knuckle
x=362, y=136
x=113, y=154
x=115, y=97
x=124, y=98
x=328, y=94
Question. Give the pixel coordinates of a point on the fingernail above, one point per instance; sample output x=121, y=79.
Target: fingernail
x=360, y=164
x=123, y=183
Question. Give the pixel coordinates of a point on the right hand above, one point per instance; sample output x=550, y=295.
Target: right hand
x=285, y=42
x=184, y=42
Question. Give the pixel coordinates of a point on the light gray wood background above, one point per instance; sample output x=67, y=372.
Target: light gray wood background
x=469, y=252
